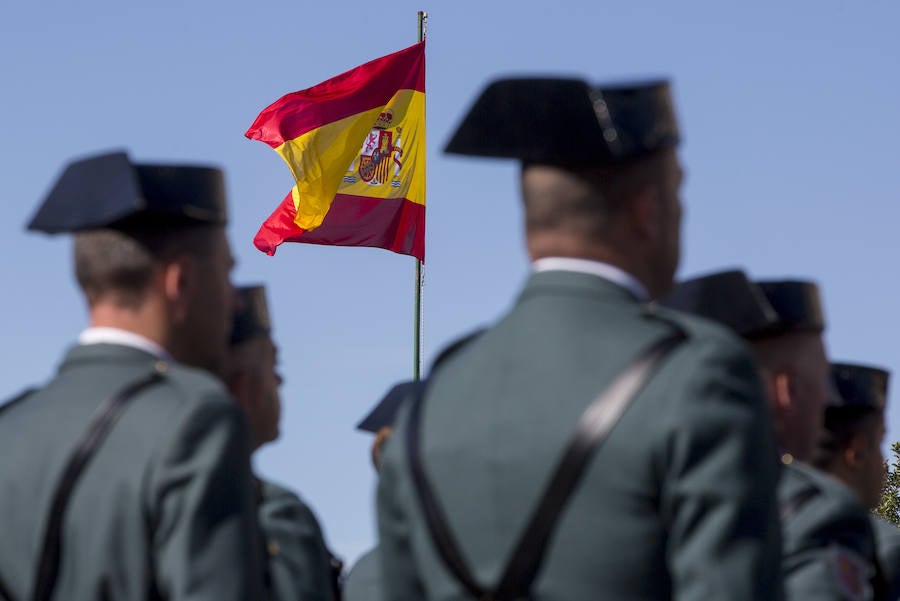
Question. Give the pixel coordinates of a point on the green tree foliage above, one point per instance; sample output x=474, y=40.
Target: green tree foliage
x=889, y=508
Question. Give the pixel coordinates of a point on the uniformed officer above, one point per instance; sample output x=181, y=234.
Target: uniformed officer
x=850, y=450
x=300, y=564
x=127, y=476
x=498, y=486
x=850, y=447
x=363, y=582
x=828, y=547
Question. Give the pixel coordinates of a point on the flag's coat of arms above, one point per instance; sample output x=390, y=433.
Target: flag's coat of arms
x=379, y=153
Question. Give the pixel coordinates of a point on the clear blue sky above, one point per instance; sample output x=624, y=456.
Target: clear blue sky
x=789, y=111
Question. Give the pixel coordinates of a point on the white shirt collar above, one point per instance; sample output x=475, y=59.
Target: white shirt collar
x=124, y=338
x=598, y=268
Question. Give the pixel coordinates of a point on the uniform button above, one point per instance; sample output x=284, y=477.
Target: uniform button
x=274, y=548
x=161, y=366
x=787, y=459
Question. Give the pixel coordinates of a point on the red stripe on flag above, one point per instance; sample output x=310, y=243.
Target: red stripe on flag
x=359, y=89
x=394, y=224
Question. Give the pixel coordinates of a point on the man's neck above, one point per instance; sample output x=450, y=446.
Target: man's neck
x=119, y=337
x=607, y=255
x=843, y=474
x=601, y=269
x=142, y=322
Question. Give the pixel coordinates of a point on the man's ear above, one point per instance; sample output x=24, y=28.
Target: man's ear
x=644, y=212
x=855, y=452
x=381, y=437
x=238, y=382
x=782, y=391
x=175, y=279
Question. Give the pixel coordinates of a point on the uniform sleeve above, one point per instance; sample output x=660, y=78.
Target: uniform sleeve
x=400, y=579
x=206, y=543
x=300, y=563
x=718, y=491
x=829, y=561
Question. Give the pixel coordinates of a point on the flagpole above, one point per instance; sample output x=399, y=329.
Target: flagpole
x=417, y=343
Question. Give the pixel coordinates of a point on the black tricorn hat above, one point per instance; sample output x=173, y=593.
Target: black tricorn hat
x=251, y=314
x=861, y=386
x=797, y=304
x=567, y=122
x=109, y=191
x=727, y=297
x=385, y=412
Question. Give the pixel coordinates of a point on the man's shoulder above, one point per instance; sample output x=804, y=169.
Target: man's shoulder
x=15, y=399
x=887, y=535
x=294, y=538
x=800, y=477
x=363, y=582
x=101, y=370
x=455, y=346
x=887, y=529
x=276, y=494
x=817, y=509
x=195, y=385
x=279, y=504
x=367, y=564
x=697, y=330
x=700, y=331
x=709, y=347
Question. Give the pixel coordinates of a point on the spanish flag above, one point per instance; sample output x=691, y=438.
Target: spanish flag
x=356, y=147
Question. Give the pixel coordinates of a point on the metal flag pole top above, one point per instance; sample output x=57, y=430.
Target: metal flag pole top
x=417, y=343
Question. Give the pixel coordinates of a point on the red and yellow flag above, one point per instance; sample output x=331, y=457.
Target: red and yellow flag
x=356, y=146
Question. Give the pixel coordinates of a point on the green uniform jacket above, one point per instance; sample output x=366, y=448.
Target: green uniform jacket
x=887, y=539
x=166, y=507
x=678, y=503
x=299, y=562
x=829, y=551
x=363, y=583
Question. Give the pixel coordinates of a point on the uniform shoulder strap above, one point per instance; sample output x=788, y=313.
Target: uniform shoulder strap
x=5, y=595
x=594, y=425
x=107, y=413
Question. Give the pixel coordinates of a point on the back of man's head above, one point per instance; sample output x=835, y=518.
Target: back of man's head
x=627, y=214
x=151, y=253
x=850, y=445
x=118, y=266
x=600, y=173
